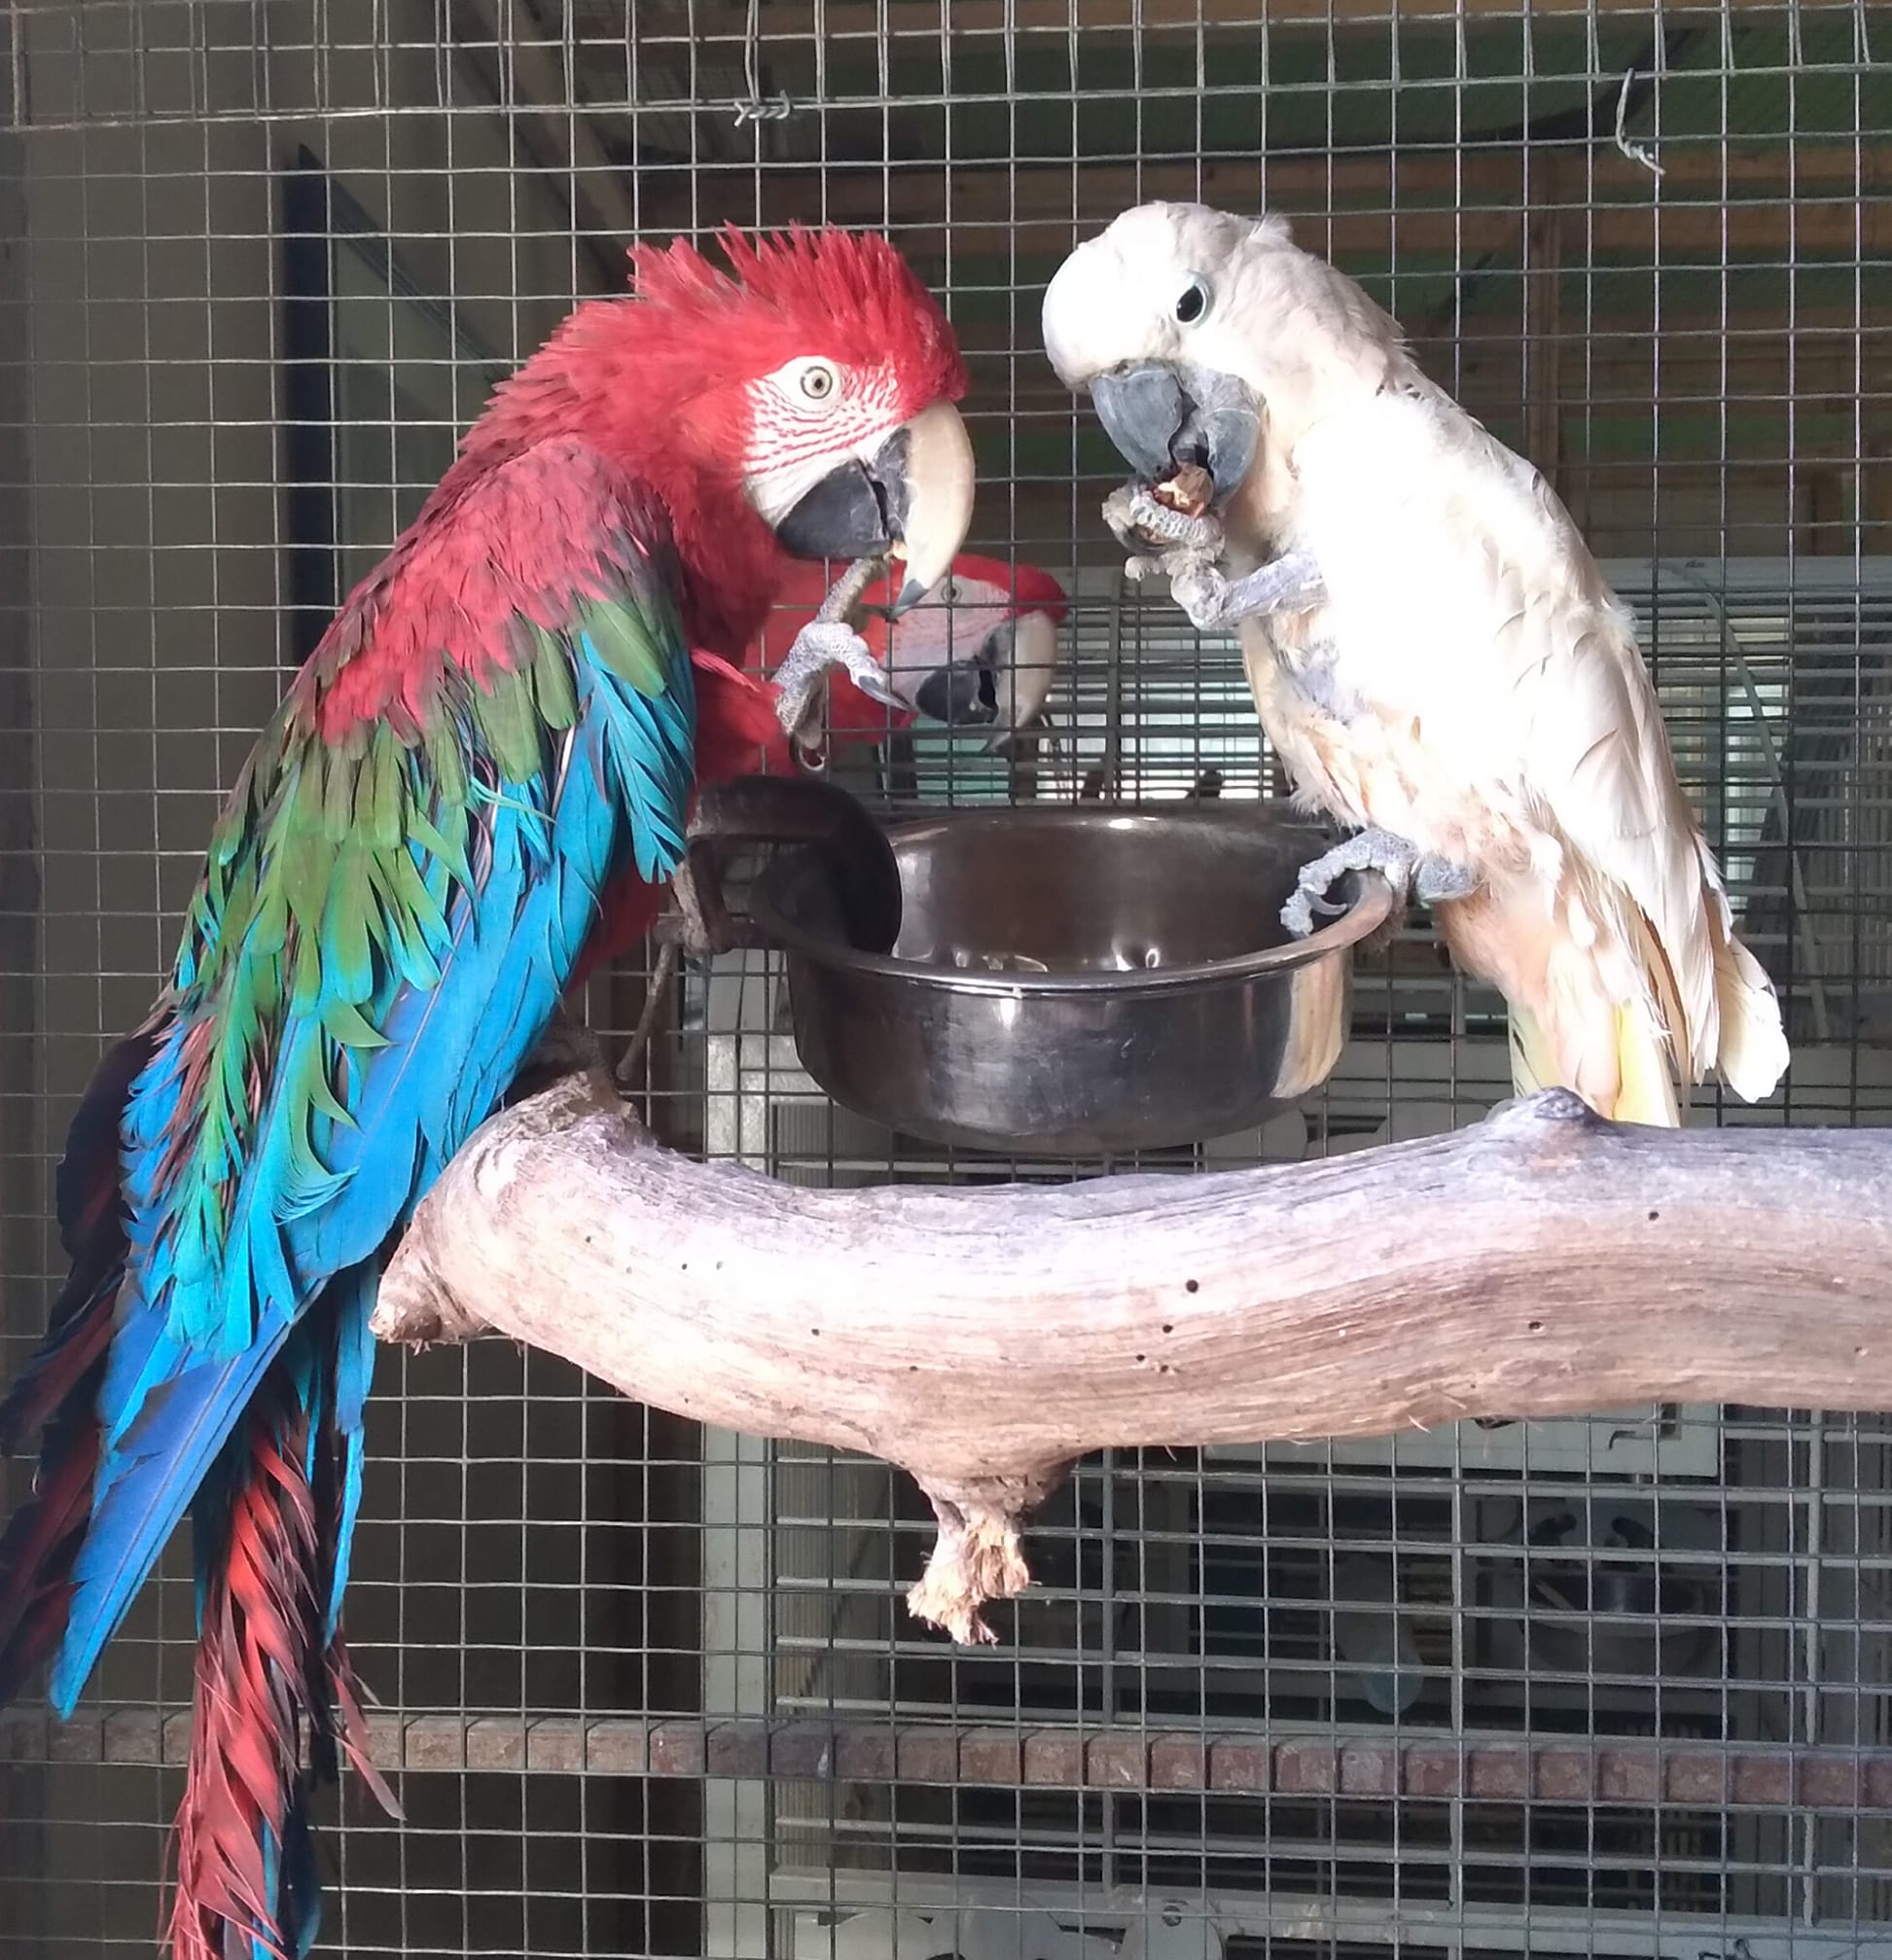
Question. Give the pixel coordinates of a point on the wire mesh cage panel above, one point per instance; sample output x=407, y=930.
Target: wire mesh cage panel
x=1608, y=1686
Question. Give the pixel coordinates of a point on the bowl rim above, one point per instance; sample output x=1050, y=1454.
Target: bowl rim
x=1370, y=910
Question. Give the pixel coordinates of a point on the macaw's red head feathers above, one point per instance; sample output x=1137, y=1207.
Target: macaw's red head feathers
x=1029, y=589
x=811, y=385
x=847, y=297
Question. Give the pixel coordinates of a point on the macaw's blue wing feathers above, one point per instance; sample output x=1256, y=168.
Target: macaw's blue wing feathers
x=499, y=725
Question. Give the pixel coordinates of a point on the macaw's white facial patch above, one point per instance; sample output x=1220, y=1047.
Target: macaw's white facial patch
x=809, y=417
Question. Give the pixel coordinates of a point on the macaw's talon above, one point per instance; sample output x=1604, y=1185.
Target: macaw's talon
x=1212, y=601
x=1407, y=870
x=820, y=646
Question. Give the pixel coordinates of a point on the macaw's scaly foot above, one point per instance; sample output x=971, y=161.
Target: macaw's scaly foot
x=1214, y=602
x=820, y=646
x=704, y=925
x=1405, y=867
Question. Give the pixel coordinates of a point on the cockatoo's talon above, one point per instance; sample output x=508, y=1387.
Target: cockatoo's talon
x=1138, y=519
x=1437, y=878
x=1428, y=879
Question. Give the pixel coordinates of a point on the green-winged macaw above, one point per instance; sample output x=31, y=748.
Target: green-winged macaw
x=479, y=778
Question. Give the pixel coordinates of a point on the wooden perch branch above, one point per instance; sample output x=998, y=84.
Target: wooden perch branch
x=1543, y=1262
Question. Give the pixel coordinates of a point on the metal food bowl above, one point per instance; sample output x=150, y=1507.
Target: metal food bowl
x=1074, y=981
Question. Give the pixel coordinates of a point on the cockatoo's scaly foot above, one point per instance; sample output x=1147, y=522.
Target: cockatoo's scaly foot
x=1159, y=540
x=1406, y=869
x=1186, y=549
x=819, y=647
x=1290, y=584
x=1139, y=520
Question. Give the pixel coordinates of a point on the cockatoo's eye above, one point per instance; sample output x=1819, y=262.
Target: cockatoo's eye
x=810, y=383
x=1192, y=303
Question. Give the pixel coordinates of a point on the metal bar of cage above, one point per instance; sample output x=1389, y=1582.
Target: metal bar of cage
x=1629, y=1775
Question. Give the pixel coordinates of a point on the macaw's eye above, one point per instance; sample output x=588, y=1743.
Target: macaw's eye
x=949, y=592
x=807, y=383
x=1194, y=301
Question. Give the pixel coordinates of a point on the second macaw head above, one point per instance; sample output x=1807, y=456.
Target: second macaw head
x=980, y=649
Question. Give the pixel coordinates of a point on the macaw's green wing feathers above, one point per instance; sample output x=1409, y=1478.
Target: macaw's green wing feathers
x=499, y=725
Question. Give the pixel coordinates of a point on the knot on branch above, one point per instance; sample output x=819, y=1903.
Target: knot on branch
x=1560, y=1109
x=977, y=1557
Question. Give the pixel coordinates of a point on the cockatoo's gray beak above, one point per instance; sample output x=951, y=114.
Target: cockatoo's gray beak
x=1162, y=414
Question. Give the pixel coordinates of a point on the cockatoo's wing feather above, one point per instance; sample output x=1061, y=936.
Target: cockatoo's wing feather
x=1521, y=677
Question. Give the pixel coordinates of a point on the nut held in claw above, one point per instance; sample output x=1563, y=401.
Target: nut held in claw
x=1191, y=490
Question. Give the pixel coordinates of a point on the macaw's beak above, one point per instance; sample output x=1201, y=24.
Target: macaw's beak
x=1163, y=414
x=912, y=496
x=963, y=694
x=1002, y=685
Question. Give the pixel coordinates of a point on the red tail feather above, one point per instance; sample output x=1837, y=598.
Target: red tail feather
x=256, y=1662
x=352, y=1731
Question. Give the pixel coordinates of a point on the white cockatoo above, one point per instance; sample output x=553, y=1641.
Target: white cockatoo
x=1432, y=648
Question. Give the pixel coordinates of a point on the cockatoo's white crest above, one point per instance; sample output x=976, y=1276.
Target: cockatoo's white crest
x=1115, y=299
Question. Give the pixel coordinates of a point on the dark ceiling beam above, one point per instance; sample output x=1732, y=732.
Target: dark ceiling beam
x=1837, y=207
x=536, y=85
x=910, y=20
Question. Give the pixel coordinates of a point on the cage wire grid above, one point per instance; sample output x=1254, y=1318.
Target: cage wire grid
x=1612, y=1686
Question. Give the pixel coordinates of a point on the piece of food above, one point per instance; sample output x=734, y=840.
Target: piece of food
x=1189, y=490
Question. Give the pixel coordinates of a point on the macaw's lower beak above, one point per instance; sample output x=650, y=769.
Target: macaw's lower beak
x=1164, y=414
x=1001, y=684
x=913, y=496
x=963, y=694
